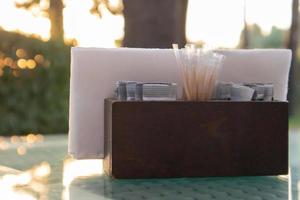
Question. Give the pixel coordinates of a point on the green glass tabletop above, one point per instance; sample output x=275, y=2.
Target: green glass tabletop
x=252, y=188
x=37, y=167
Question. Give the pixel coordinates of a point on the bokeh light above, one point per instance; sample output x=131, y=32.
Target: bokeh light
x=39, y=58
x=4, y=145
x=21, y=150
x=8, y=61
x=22, y=63
x=14, y=139
x=31, y=64
x=21, y=53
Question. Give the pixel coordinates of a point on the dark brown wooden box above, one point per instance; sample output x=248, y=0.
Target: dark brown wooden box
x=195, y=139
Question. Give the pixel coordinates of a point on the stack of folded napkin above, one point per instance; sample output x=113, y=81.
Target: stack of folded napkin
x=150, y=91
x=160, y=91
x=244, y=92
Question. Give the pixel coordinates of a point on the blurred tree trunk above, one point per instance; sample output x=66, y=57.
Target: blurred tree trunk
x=293, y=45
x=56, y=18
x=154, y=23
x=245, y=33
x=245, y=37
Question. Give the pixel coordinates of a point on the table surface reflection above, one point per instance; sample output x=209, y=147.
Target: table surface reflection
x=37, y=167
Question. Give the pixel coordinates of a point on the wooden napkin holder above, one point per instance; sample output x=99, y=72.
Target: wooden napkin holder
x=195, y=139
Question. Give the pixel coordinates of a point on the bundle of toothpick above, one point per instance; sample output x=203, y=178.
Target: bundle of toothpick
x=199, y=70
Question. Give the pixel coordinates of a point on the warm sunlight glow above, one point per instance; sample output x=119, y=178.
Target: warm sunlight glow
x=11, y=180
x=80, y=168
x=11, y=194
x=90, y=30
x=268, y=13
x=32, y=178
x=42, y=171
x=215, y=22
x=219, y=23
x=13, y=19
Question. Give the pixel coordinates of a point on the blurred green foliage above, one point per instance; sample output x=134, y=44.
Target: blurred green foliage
x=258, y=39
x=34, y=85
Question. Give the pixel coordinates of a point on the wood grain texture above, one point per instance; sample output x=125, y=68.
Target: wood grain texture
x=195, y=139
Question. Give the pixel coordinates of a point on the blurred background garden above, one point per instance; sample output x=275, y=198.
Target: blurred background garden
x=36, y=37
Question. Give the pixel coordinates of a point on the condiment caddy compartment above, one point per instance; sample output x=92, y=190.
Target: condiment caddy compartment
x=166, y=139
